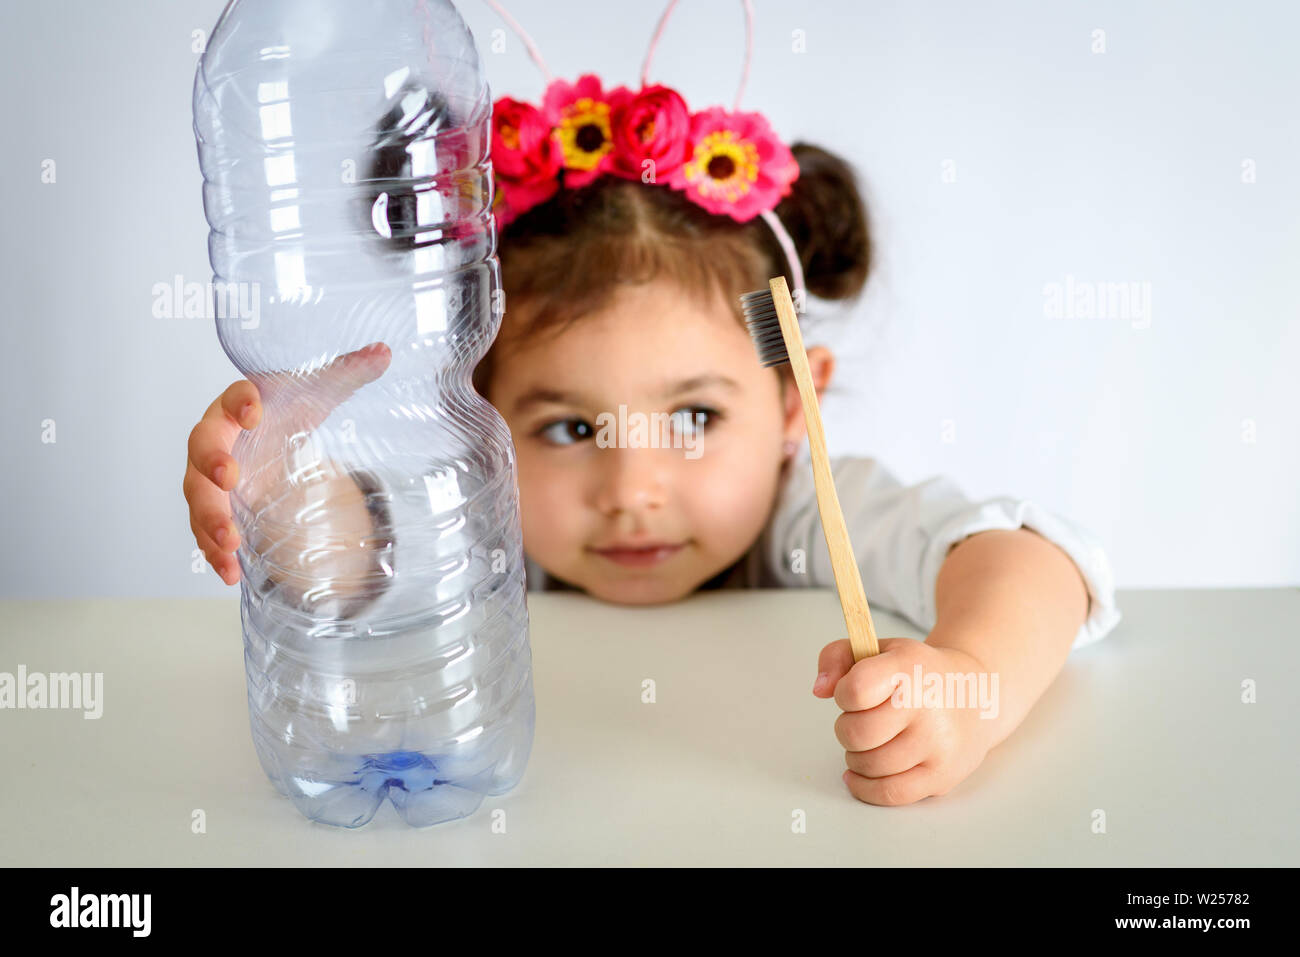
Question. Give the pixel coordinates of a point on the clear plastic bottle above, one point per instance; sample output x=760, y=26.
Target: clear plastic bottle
x=344, y=146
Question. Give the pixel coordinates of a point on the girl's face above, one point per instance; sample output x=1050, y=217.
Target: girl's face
x=702, y=475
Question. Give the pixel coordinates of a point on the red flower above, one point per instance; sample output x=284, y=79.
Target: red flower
x=650, y=125
x=526, y=158
x=580, y=113
x=737, y=165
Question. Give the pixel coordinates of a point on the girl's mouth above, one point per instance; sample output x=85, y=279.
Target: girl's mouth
x=640, y=557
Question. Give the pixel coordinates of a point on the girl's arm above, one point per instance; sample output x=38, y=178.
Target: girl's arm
x=1014, y=602
x=1001, y=587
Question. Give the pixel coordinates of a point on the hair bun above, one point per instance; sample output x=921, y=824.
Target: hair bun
x=827, y=220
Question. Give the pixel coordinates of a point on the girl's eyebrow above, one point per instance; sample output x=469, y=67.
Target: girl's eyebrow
x=541, y=395
x=695, y=382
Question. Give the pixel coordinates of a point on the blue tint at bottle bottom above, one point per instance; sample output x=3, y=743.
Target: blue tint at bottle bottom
x=424, y=788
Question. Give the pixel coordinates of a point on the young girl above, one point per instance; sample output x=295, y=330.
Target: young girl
x=623, y=291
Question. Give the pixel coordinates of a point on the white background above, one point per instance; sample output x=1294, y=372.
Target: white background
x=1172, y=437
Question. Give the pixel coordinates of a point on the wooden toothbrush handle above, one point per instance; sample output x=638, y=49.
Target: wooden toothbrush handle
x=848, y=579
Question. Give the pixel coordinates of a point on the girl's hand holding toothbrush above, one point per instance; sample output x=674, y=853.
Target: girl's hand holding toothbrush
x=902, y=744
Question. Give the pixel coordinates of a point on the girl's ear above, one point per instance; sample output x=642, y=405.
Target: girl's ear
x=821, y=361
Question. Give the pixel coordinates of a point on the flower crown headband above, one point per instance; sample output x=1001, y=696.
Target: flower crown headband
x=727, y=162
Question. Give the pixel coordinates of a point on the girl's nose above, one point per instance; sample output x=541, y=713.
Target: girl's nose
x=631, y=479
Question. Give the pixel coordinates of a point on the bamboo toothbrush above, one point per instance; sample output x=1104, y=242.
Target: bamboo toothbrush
x=774, y=327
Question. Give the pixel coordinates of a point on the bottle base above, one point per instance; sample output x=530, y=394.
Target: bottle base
x=347, y=791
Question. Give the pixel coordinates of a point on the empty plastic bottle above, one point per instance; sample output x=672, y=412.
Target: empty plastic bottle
x=344, y=146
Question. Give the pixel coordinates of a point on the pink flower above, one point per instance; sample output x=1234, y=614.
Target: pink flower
x=650, y=125
x=737, y=165
x=526, y=158
x=580, y=113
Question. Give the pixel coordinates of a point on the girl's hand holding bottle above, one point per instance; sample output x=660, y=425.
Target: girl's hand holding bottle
x=211, y=472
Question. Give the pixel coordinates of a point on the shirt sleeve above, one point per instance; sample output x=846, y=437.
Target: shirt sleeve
x=901, y=535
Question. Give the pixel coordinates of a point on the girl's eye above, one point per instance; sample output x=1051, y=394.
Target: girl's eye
x=695, y=418
x=566, y=431
x=689, y=420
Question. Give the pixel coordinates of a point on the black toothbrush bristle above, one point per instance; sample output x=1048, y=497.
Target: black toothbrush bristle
x=764, y=325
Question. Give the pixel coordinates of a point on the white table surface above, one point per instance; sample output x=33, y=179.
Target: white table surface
x=1147, y=725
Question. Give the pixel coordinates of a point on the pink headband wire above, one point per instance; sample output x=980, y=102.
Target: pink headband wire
x=773, y=221
x=749, y=47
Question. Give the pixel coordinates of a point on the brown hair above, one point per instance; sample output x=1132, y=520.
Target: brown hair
x=562, y=259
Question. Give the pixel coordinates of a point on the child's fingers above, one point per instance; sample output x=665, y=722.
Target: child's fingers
x=209, y=519
x=227, y=566
x=901, y=753
x=203, y=496
x=906, y=788
x=242, y=404
x=354, y=369
x=870, y=681
x=334, y=384
x=833, y=663
x=208, y=449
x=216, y=527
x=872, y=728
x=209, y=513
x=211, y=472
x=223, y=562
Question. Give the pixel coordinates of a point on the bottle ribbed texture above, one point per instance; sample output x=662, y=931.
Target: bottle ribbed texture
x=344, y=147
